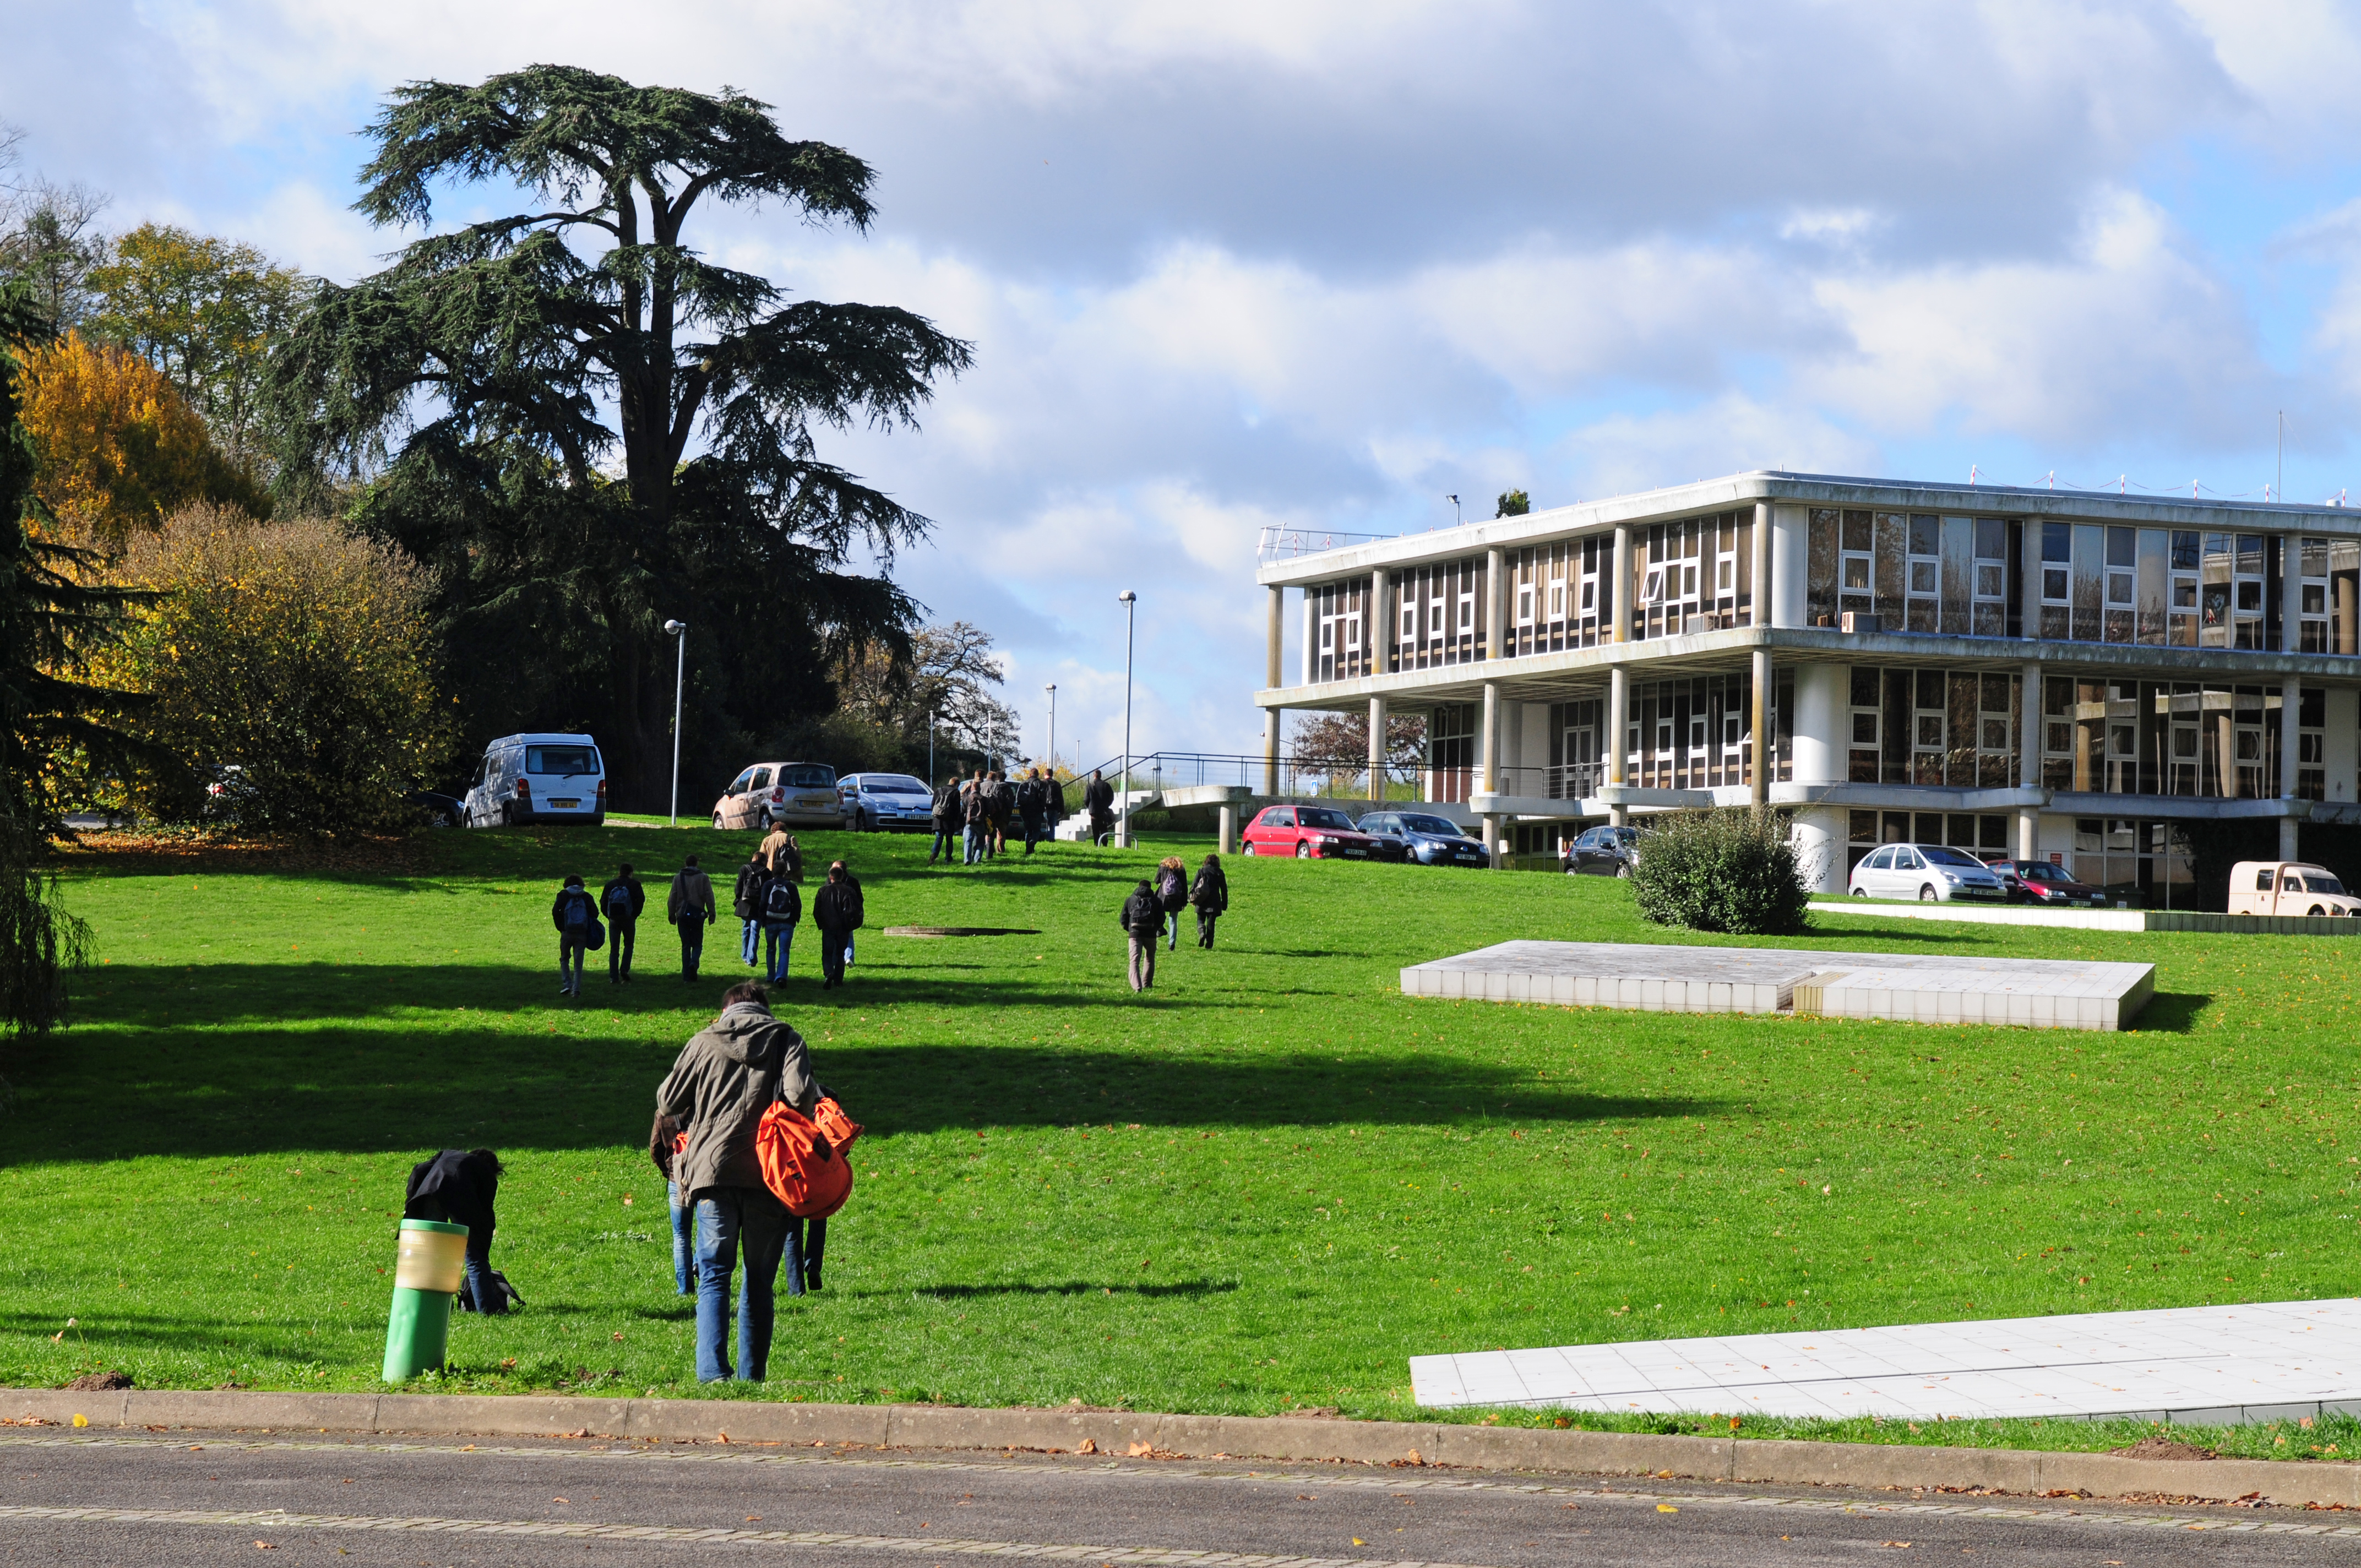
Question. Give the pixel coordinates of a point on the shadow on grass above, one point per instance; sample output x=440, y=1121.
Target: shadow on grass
x=2171, y=1013
x=1070, y=1288
x=338, y=1089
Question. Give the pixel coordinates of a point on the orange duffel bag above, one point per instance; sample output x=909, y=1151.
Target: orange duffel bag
x=803, y=1158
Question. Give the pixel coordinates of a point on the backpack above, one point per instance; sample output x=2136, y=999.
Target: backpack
x=619, y=902
x=1172, y=892
x=581, y=915
x=803, y=1158
x=780, y=905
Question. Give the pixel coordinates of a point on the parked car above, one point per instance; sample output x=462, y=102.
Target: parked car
x=894, y=802
x=1421, y=836
x=442, y=810
x=2287, y=887
x=1603, y=852
x=537, y=778
x=768, y=795
x=1308, y=832
x=2040, y=882
x=1928, y=872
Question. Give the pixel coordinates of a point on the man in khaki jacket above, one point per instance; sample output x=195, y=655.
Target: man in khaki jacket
x=779, y=851
x=726, y=1076
x=689, y=906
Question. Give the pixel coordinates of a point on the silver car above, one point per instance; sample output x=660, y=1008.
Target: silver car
x=890, y=802
x=1928, y=872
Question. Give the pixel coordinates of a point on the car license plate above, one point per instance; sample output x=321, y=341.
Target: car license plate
x=1356, y=854
x=566, y=804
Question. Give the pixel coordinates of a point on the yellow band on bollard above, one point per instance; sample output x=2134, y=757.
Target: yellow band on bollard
x=432, y=1260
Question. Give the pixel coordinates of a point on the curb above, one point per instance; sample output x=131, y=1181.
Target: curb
x=1769, y=1461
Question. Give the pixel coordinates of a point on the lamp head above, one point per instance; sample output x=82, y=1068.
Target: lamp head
x=674, y=628
x=1127, y=597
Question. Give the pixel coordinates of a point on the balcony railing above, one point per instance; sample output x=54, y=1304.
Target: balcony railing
x=1279, y=544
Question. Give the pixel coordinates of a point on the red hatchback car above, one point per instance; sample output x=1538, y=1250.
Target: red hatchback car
x=1308, y=832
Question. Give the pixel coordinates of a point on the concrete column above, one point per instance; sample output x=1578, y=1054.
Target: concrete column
x=2290, y=735
x=1276, y=640
x=2290, y=596
x=1491, y=834
x=1619, y=718
x=1229, y=830
x=1488, y=742
x=1377, y=748
x=1817, y=727
x=2288, y=838
x=1622, y=586
x=1761, y=554
x=2029, y=754
x=1496, y=605
x=1378, y=627
x=2226, y=752
x=1790, y=556
x=1310, y=661
x=1819, y=835
x=1759, y=771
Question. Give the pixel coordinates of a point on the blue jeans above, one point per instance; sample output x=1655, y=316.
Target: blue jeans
x=684, y=1232
x=943, y=846
x=569, y=964
x=780, y=940
x=975, y=835
x=752, y=944
x=726, y=1216
x=1033, y=833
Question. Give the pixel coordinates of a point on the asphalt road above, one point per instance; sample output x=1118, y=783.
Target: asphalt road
x=191, y=1499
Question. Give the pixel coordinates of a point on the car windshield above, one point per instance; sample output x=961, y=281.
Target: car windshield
x=1320, y=816
x=892, y=783
x=1434, y=825
x=2040, y=873
x=807, y=775
x=2320, y=882
x=1938, y=856
x=561, y=759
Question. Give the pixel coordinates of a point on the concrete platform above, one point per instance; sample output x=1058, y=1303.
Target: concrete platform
x=1927, y=988
x=2205, y=1366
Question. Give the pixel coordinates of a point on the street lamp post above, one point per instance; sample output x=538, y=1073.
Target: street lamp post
x=930, y=748
x=1123, y=824
x=1052, y=690
x=678, y=631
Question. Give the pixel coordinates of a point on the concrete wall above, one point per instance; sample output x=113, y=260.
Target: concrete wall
x=2343, y=744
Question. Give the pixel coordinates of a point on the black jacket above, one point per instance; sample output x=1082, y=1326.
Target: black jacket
x=763, y=902
x=1172, y=888
x=1099, y=796
x=1142, y=915
x=837, y=907
x=946, y=809
x=639, y=899
x=461, y=1184
x=597, y=935
x=747, y=902
x=1210, y=892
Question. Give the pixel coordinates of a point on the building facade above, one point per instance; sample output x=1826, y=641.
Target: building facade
x=2061, y=675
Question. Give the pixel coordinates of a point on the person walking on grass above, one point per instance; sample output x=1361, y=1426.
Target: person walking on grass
x=1172, y=894
x=1210, y=894
x=778, y=844
x=1098, y=799
x=665, y=1140
x=1030, y=805
x=689, y=906
x=783, y=906
x=947, y=819
x=576, y=915
x=726, y=1076
x=458, y=1187
x=972, y=821
x=747, y=904
x=837, y=911
x=997, y=798
x=1142, y=922
x=622, y=899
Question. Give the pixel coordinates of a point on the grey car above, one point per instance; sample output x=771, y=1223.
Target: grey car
x=1603, y=852
x=1423, y=837
x=884, y=802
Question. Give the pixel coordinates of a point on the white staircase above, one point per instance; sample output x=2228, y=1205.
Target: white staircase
x=1076, y=829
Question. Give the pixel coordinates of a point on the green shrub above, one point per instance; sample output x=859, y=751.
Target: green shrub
x=1721, y=870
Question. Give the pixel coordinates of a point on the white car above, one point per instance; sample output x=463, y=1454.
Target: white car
x=1928, y=872
x=887, y=801
x=537, y=778
x=779, y=795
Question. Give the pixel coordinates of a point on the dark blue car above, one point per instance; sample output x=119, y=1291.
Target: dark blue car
x=1419, y=836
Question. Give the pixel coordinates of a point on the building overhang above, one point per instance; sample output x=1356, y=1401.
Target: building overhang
x=1554, y=676
x=1805, y=489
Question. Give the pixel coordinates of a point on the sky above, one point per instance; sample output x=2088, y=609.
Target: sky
x=1234, y=265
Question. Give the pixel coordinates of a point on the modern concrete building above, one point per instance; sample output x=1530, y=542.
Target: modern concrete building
x=2061, y=673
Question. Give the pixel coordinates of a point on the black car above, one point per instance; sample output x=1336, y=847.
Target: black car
x=1421, y=837
x=441, y=810
x=1603, y=852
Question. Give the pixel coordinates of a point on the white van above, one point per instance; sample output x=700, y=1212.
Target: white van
x=2287, y=887
x=537, y=778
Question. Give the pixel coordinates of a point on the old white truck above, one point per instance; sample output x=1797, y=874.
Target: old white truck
x=2287, y=887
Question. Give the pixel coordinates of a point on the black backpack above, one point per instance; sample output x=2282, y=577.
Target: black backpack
x=619, y=902
x=581, y=915
x=780, y=905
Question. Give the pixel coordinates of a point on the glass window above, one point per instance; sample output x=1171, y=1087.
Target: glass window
x=807, y=775
x=1881, y=862
x=1991, y=538
x=762, y=779
x=2184, y=551
x=2123, y=546
x=1441, y=828
x=1926, y=536
x=1949, y=857
x=1322, y=816
x=1856, y=574
x=561, y=759
x=892, y=783
x=738, y=784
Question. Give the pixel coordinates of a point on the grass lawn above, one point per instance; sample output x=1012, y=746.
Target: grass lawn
x=1261, y=1189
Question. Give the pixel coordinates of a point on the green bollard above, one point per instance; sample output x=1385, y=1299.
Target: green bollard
x=427, y=1273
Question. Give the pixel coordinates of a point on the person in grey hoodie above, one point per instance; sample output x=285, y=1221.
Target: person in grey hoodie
x=726, y=1076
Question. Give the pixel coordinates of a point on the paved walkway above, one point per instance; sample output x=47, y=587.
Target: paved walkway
x=2199, y=1364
